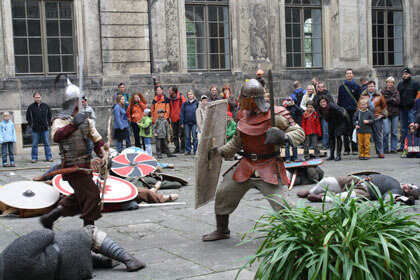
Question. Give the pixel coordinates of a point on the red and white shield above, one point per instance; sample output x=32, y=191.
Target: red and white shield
x=133, y=164
x=116, y=190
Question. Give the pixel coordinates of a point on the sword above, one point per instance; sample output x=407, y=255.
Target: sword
x=270, y=89
x=81, y=61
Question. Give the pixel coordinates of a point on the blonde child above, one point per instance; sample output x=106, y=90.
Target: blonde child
x=7, y=138
x=363, y=120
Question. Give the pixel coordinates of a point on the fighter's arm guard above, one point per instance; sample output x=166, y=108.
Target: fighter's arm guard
x=294, y=133
x=62, y=129
x=232, y=147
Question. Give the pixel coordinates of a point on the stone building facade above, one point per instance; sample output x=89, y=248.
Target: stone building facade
x=196, y=43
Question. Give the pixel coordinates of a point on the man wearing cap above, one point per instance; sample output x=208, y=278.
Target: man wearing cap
x=71, y=129
x=408, y=89
x=260, y=78
x=200, y=114
x=176, y=100
x=260, y=165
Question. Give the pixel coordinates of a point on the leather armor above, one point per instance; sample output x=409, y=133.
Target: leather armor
x=73, y=150
x=253, y=129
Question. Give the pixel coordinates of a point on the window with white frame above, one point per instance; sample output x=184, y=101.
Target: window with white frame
x=303, y=34
x=43, y=36
x=387, y=33
x=207, y=27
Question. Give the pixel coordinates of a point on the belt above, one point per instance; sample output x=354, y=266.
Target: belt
x=58, y=268
x=255, y=157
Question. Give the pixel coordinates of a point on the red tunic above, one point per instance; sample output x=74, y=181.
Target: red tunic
x=253, y=129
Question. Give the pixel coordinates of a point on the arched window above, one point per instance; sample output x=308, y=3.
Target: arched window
x=387, y=32
x=303, y=34
x=207, y=26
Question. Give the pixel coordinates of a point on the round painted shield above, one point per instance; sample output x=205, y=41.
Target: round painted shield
x=116, y=190
x=134, y=165
x=132, y=150
x=28, y=195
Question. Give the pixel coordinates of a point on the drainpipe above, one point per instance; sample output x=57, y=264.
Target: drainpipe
x=149, y=16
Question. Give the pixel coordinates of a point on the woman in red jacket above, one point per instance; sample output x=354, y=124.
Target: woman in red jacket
x=135, y=113
x=312, y=127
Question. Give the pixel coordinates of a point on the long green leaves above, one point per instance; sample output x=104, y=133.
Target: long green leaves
x=350, y=240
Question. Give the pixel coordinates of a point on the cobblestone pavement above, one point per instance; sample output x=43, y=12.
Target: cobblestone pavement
x=168, y=239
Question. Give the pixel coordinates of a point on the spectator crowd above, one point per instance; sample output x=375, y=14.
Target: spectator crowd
x=357, y=116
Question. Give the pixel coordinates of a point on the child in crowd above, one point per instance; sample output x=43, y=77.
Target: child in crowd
x=200, y=114
x=231, y=127
x=312, y=127
x=296, y=114
x=146, y=133
x=412, y=142
x=162, y=134
x=267, y=97
x=363, y=120
x=7, y=138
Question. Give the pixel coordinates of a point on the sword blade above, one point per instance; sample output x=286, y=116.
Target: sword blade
x=81, y=62
x=270, y=89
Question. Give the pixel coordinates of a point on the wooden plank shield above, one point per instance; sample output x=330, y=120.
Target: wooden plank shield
x=213, y=134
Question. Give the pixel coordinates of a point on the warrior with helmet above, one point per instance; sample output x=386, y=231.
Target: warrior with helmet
x=71, y=129
x=260, y=165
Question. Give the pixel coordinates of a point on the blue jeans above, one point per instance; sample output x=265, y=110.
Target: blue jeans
x=190, y=129
x=4, y=148
x=324, y=125
x=406, y=118
x=287, y=150
x=36, y=135
x=390, y=125
x=119, y=146
x=127, y=137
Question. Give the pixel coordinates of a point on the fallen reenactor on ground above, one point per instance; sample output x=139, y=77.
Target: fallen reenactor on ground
x=44, y=254
x=404, y=192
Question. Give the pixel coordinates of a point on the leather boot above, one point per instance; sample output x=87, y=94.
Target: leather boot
x=47, y=220
x=111, y=249
x=338, y=157
x=331, y=157
x=99, y=261
x=222, y=231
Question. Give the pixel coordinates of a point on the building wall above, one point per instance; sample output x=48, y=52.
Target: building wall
x=116, y=40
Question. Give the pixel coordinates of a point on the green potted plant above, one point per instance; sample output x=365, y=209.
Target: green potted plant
x=349, y=240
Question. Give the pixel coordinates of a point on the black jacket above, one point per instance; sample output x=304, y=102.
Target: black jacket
x=358, y=119
x=295, y=112
x=408, y=90
x=38, y=117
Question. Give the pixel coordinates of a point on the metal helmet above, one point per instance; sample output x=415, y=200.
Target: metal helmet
x=255, y=90
x=71, y=96
x=72, y=91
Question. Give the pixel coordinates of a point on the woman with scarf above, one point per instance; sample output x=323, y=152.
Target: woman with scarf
x=135, y=113
x=392, y=98
x=160, y=102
